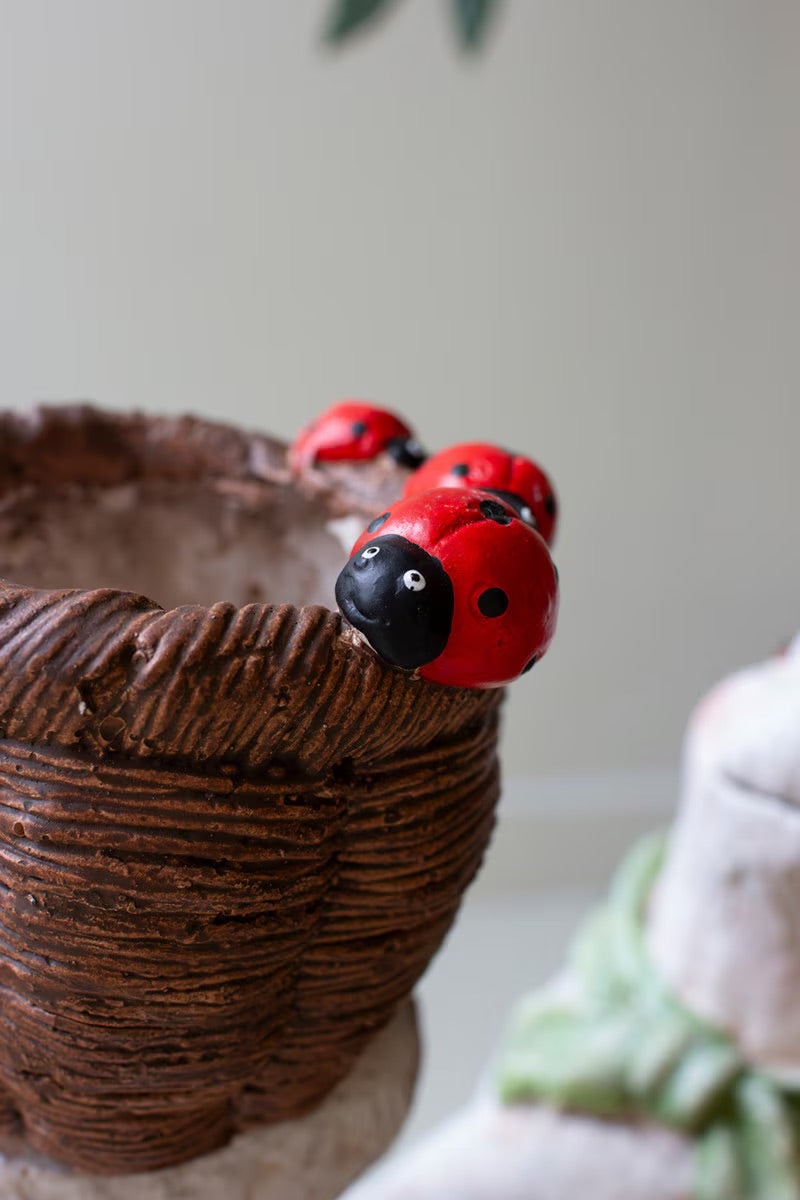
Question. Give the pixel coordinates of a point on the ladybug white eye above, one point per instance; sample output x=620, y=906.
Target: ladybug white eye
x=414, y=581
x=527, y=515
x=371, y=551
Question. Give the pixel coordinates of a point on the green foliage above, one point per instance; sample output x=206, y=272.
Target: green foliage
x=472, y=20
x=348, y=17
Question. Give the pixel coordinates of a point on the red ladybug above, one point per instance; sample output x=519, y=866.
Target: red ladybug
x=513, y=477
x=354, y=431
x=452, y=584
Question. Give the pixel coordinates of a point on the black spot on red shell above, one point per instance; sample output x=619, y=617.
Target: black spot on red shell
x=550, y=504
x=529, y=665
x=376, y=524
x=460, y=469
x=496, y=512
x=359, y=428
x=493, y=602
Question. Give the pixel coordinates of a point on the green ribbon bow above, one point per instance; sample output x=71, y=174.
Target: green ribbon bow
x=623, y=1046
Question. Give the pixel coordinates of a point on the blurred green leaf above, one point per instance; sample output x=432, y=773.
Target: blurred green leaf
x=349, y=16
x=472, y=20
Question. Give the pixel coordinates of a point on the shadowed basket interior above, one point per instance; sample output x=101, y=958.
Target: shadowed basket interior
x=231, y=840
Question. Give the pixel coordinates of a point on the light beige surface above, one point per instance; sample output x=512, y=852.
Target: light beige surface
x=309, y=1159
x=487, y=1152
x=585, y=243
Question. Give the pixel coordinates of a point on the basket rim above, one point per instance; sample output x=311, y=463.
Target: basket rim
x=111, y=670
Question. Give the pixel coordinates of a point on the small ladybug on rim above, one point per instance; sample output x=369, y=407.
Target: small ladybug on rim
x=454, y=585
x=355, y=431
x=513, y=477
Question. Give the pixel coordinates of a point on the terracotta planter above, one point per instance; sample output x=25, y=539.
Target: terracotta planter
x=231, y=840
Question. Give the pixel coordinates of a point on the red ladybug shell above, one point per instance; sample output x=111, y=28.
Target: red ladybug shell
x=498, y=565
x=481, y=465
x=350, y=431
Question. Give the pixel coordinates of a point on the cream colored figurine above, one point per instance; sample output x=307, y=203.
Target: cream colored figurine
x=665, y=1063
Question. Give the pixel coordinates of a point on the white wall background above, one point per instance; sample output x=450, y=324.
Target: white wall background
x=584, y=243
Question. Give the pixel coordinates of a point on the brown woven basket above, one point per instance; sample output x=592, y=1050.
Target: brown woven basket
x=231, y=840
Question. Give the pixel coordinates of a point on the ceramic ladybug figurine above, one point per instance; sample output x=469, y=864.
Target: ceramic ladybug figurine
x=513, y=477
x=455, y=585
x=355, y=431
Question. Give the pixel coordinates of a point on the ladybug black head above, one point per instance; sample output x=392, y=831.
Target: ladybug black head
x=406, y=452
x=520, y=506
x=400, y=598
